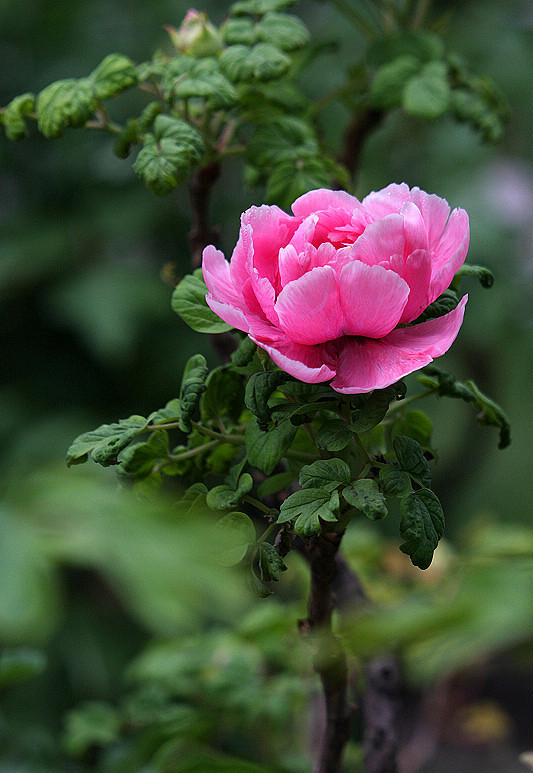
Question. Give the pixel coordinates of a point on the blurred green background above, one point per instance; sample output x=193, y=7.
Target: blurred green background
x=87, y=336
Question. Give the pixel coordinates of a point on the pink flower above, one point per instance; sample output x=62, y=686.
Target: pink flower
x=330, y=291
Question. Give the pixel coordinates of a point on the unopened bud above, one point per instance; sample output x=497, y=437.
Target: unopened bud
x=196, y=35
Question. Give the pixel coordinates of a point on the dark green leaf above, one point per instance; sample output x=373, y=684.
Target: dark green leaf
x=422, y=526
x=415, y=424
x=105, y=442
x=270, y=562
x=170, y=413
x=283, y=30
x=224, y=395
x=366, y=497
x=427, y=95
x=482, y=274
x=284, y=138
x=139, y=459
x=266, y=449
x=244, y=353
x=224, y=497
x=289, y=180
x=334, y=435
x=113, y=75
x=327, y=474
x=13, y=116
x=374, y=408
x=411, y=459
x=261, y=62
x=307, y=507
x=444, y=303
x=64, y=103
x=386, y=89
x=394, y=482
x=93, y=724
x=233, y=533
x=259, y=388
x=17, y=665
x=256, y=586
x=188, y=300
x=275, y=483
x=192, y=386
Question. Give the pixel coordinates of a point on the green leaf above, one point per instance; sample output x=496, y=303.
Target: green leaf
x=261, y=62
x=188, y=300
x=266, y=449
x=233, y=533
x=259, y=388
x=275, y=483
x=334, y=435
x=374, y=408
x=283, y=30
x=225, y=497
x=427, y=95
x=14, y=114
x=415, y=424
x=307, y=507
x=412, y=460
x=270, y=562
x=192, y=386
x=188, y=140
x=291, y=179
x=422, y=526
x=106, y=442
x=114, y=74
x=258, y=7
x=18, y=665
x=64, y=103
x=482, y=274
x=139, y=459
x=170, y=413
x=422, y=45
x=442, y=305
x=327, y=474
x=161, y=165
x=366, y=497
x=204, y=80
x=244, y=353
x=284, y=138
x=224, y=395
x=394, y=482
x=386, y=89
x=240, y=31
x=93, y=724
x=256, y=586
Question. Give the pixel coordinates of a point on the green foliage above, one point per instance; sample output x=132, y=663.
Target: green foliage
x=412, y=460
x=139, y=459
x=114, y=74
x=442, y=305
x=64, y=103
x=327, y=474
x=188, y=300
x=393, y=482
x=17, y=665
x=427, y=95
x=224, y=497
x=270, y=562
x=307, y=508
x=366, y=497
x=259, y=389
x=334, y=435
x=372, y=409
x=106, y=442
x=482, y=274
x=193, y=385
x=422, y=526
x=266, y=449
x=233, y=534
x=14, y=114
x=93, y=724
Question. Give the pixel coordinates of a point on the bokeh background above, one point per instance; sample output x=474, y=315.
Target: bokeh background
x=88, y=336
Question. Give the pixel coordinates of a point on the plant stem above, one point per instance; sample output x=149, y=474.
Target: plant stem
x=259, y=505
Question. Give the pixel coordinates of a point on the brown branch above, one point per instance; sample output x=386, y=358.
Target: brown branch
x=329, y=659
x=355, y=135
x=381, y=705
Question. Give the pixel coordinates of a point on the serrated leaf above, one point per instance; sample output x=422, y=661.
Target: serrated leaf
x=427, y=95
x=291, y=179
x=388, y=84
x=139, y=459
x=394, y=482
x=224, y=497
x=114, y=74
x=192, y=387
x=233, y=533
x=374, y=408
x=262, y=62
x=327, y=474
x=307, y=507
x=482, y=274
x=64, y=103
x=259, y=388
x=266, y=449
x=270, y=562
x=105, y=442
x=366, y=497
x=284, y=138
x=283, y=30
x=13, y=116
x=275, y=483
x=442, y=305
x=334, y=435
x=18, y=665
x=411, y=459
x=188, y=300
x=422, y=526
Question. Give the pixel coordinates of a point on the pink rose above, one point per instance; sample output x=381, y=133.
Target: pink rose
x=329, y=291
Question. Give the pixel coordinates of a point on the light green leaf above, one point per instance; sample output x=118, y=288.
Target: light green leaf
x=284, y=138
x=188, y=139
x=427, y=95
x=240, y=31
x=233, y=533
x=261, y=62
x=113, y=75
x=366, y=497
x=64, y=103
x=106, y=442
x=188, y=300
x=161, y=165
x=93, y=724
x=411, y=459
x=422, y=526
x=307, y=507
x=283, y=30
x=334, y=435
x=170, y=413
x=258, y=7
x=327, y=474
x=266, y=449
x=13, y=116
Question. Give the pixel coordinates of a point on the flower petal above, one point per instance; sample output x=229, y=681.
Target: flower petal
x=309, y=309
x=217, y=276
x=435, y=212
x=416, y=271
x=416, y=235
x=388, y=201
x=322, y=199
x=450, y=253
x=366, y=364
x=380, y=241
x=271, y=229
x=372, y=299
